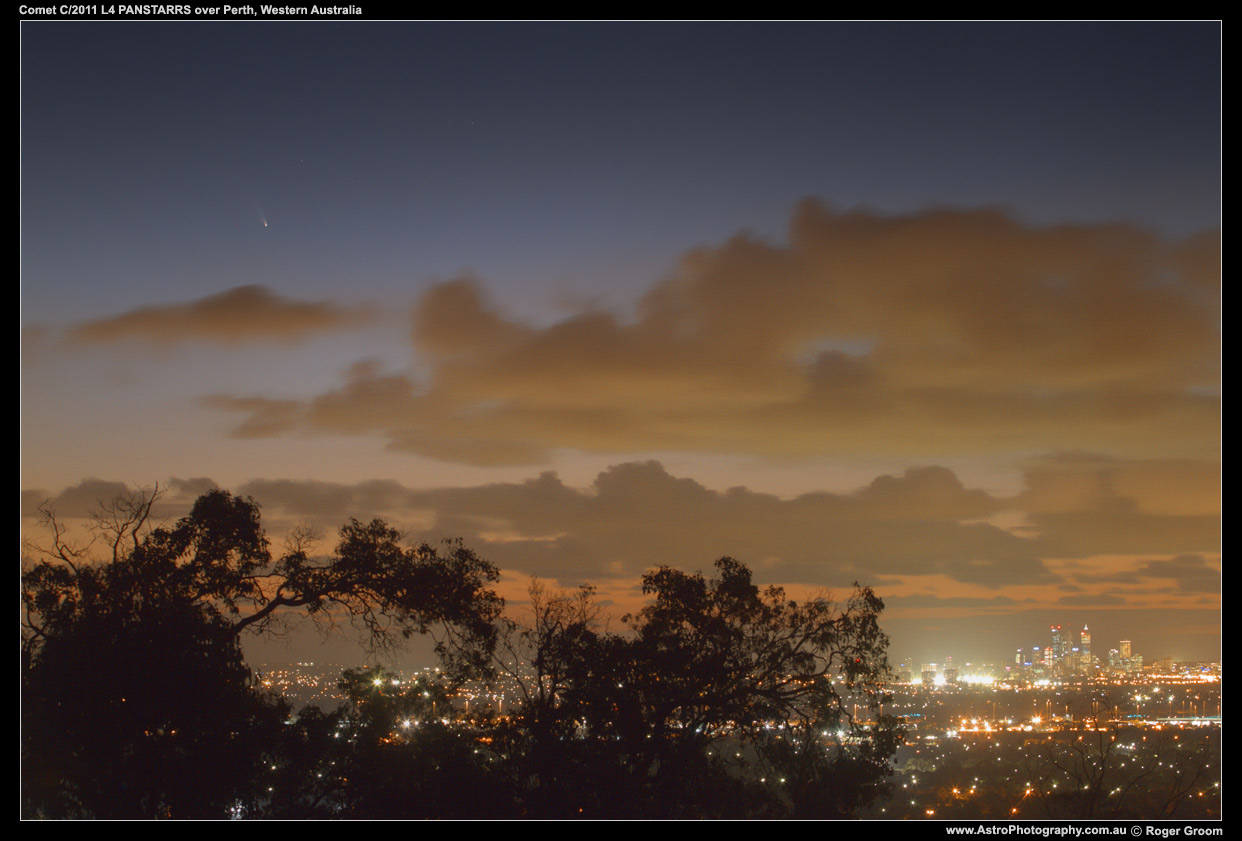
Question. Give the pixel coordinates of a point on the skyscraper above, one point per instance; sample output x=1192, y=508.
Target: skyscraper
x=1060, y=650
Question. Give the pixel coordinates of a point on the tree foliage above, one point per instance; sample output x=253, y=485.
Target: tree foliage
x=132, y=667
x=218, y=559
x=147, y=713
x=715, y=685
x=717, y=699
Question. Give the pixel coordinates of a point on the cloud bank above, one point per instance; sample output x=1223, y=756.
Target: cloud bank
x=921, y=536
x=244, y=313
x=937, y=333
x=923, y=522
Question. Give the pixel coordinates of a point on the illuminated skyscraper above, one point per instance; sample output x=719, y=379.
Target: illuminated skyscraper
x=1063, y=650
x=1061, y=662
x=1126, y=656
x=1084, y=647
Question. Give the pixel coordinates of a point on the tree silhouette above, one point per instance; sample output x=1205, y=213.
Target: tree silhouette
x=137, y=701
x=147, y=712
x=718, y=700
x=722, y=701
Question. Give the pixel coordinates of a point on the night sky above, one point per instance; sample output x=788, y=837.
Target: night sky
x=931, y=306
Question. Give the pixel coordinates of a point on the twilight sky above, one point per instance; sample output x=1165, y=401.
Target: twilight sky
x=931, y=306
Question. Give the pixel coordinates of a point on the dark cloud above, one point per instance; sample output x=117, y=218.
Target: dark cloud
x=90, y=497
x=1089, y=481
x=77, y=501
x=329, y=502
x=939, y=332
x=636, y=516
x=919, y=529
x=1123, y=529
x=244, y=313
x=188, y=490
x=1082, y=505
x=1192, y=573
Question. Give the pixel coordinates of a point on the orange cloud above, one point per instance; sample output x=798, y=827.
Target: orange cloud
x=1082, y=505
x=244, y=313
x=921, y=535
x=942, y=332
x=636, y=516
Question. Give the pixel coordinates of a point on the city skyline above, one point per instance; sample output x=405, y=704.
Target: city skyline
x=931, y=306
